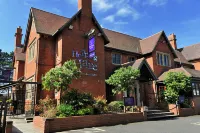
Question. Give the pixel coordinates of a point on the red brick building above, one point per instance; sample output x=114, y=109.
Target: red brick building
x=51, y=40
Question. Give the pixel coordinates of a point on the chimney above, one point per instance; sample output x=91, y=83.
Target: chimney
x=86, y=6
x=18, y=37
x=172, y=39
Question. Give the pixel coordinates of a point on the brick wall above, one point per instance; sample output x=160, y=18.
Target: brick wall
x=182, y=112
x=76, y=122
x=30, y=66
x=74, y=40
x=196, y=105
x=196, y=64
x=152, y=59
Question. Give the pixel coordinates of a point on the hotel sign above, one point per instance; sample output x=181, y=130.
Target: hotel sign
x=87, y=60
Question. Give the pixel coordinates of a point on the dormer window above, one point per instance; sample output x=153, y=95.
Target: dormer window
x=163, y=59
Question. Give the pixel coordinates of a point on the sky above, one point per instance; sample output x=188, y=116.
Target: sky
x=139, y=18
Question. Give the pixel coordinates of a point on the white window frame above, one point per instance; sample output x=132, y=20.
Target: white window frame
x=31, y=51
x=163, y=59
x=120, y=58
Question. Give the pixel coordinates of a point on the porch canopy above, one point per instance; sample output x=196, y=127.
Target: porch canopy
x=146, y=73
x=192, y=73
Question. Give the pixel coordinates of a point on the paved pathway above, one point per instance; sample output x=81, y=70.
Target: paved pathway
x=178, y=125
x=20, y=125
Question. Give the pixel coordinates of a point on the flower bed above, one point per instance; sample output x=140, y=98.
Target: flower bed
x=77, y=122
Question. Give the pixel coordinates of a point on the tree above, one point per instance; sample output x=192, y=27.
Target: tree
x=60, y=78
x=123, y=79
x=6, y=59
x=177, y=83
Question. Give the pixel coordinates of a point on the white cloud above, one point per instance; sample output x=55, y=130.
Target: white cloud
x=155, y=2
x=110, y=18
x=128, y=11
x=121, y=22
x=123, y=12
x=102, y=5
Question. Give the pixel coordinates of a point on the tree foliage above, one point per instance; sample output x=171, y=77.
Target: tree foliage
x=177, y=83
x=123, y=79
x=60, y=78
x=6, y=59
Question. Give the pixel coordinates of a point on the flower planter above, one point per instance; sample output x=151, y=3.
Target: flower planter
x=182, y=112
x=77, y=122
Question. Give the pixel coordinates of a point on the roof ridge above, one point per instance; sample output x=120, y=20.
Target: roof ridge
x=152, y=35
x=121, y=33
x=49, y=12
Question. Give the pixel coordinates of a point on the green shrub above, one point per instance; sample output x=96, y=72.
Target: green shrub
x=78, y=100
x=85, y=111
x=65, y=110
x=100, y=105
x=186, y=104
x=116, y=106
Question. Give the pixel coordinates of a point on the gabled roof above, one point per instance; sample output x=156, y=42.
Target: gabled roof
x=191, y=52
x=181, y=59
x=137, y=64
x=149, y=44
x=94, y=19
x=51, y=24
x=187, y=71
x=47, y=23
x=123, y=42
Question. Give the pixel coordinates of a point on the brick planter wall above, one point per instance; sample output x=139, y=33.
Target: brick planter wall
x=181, y=111
x=196, y=105
x=77, y=122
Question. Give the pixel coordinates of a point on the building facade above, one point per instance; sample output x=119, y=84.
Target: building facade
x=51, y=40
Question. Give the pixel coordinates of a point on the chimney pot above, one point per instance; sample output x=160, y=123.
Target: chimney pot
x=18, y=37
x=172, y=39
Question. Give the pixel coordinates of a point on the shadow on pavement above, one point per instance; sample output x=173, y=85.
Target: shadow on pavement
x=16, y=130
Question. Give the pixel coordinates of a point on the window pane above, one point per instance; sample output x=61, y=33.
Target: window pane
x=194, y=89
x=165, y=60
x=116, y=58
x=113, y=58
x=31, y=51
x=161, y=59
x=158, y=58
x=197, y=89
x=131, y=59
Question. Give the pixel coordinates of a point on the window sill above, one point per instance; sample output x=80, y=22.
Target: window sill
x=116, y=64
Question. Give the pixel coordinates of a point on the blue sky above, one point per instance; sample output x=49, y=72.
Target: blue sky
x=140, y=18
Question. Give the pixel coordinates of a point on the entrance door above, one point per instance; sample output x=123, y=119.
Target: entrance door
x=143, y=94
